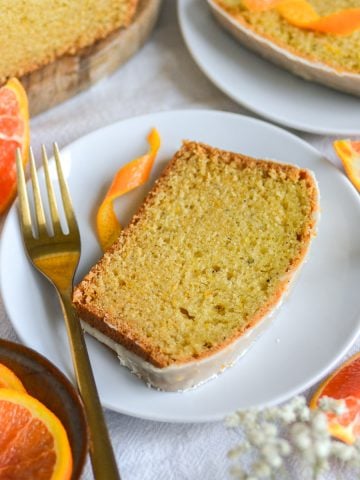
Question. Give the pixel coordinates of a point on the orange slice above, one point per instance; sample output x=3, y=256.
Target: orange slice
x=14, y=133
x=33, y=442
x=343, y=384
x=349, y=153
x=8, y=379
x=132, y=175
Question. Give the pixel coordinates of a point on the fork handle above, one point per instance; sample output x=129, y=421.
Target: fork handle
x=101, y=452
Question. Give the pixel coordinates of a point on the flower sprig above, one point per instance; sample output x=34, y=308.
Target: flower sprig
x=269, y=436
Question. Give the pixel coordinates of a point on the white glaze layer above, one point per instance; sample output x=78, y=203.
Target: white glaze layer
x=178, y=378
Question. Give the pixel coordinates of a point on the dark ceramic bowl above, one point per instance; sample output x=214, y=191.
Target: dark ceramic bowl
x=45, y=382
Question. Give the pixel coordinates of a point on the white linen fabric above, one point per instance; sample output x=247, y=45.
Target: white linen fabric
x=162, y=76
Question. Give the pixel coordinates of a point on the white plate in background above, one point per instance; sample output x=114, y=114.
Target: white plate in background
x=260, y=86
x=313, y=329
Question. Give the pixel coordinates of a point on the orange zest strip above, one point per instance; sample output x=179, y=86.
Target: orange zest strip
x=341, y=23
x=349, y=153
x=132, y=175
x=300, y=13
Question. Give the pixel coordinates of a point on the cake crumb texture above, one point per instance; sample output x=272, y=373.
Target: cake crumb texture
x=205, y=257
x=35, y=32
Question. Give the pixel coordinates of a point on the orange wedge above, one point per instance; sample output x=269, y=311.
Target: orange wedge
x=33, y=442
x=349, y=153
x=14, y=133
x=343, y=384
x=132, y=175
x=8, y=379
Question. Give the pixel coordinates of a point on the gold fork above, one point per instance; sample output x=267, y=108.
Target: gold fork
x=56, y=256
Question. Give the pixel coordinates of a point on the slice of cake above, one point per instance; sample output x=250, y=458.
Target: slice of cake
x=36, y=32
x=193, y=279
x=330, y=59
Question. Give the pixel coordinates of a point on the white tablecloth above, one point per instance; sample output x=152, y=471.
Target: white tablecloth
x=162, y=76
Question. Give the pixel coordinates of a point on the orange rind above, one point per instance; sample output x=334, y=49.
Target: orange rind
x=132, y=175
x=8, y=379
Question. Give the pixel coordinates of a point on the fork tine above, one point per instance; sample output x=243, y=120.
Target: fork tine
x=68, y=208
x=39, y=210
x=25, y=216
x=51, y=195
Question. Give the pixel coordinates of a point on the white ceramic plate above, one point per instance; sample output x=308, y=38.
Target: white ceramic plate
x=259, y=85
x=314, y=328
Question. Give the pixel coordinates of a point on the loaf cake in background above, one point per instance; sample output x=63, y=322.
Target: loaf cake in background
x=333, y=60
x=33, y=33
x=194, y=278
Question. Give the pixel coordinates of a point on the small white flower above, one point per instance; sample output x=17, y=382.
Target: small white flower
x=342, y=451
x=328, y=404
x=274, y=433
x=271, y=455
x=304, y=414
x=299, y=428
x=271, y=413
x=319, y=422
x=322, y=448
x=269, y=429
x=284, y=447
x=298, y=403
x=256, y=437
x=261, y=469
x=249, y=418
x=276, y=461
x=301, y=409
x=232, y=421
x=287, y=414
x=300, y=435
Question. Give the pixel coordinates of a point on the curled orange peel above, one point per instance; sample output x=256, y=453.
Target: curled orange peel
x=129, y=177
x=349, y=153
x=302, y=14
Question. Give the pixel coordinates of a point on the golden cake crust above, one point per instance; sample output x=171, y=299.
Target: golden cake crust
x=124, y=334
x=85, y=39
